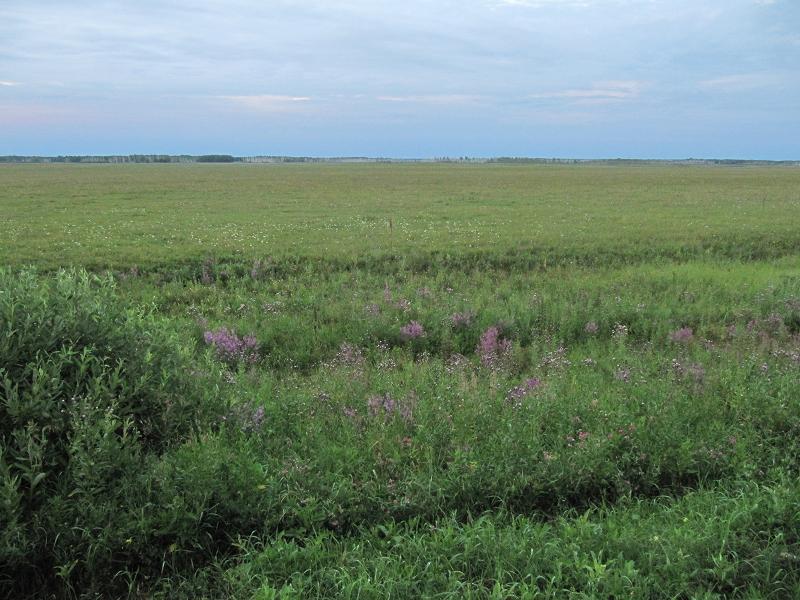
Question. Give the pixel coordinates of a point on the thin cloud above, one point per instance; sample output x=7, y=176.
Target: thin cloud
x=431, y=99
x=269, y=102
x=545, y=3
x=609, y=91
x=9, y=83
x=558, y=3
x=739, y=82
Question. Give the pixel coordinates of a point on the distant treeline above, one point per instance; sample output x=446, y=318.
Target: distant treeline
x=129, y=158
x=640, y=161
x=227, y=158
x=173, y=158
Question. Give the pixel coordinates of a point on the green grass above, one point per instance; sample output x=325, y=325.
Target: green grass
x=150, y=215
x=351, y=461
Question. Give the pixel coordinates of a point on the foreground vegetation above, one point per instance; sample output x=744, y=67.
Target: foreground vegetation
x=609, y=413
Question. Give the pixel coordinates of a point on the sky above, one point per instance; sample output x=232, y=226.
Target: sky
x=403, y=78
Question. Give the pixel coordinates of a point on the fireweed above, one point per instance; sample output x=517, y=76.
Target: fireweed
x=350, y=356
x=556, y=359
x=385, y=405
x=381, y=403
x=412, y=331
x=517, y=393
x=230, y=348
x=492, y=348
x=684, y=335
x=462, y=319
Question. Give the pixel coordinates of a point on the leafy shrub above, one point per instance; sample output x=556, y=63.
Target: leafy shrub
x=89, y=388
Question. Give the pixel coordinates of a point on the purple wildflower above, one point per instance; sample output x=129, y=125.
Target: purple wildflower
x=517, y=393
x=230, y=348
x=383, y=403
x=386, y=406
x=774, y=322
x=492, y=347
x=462, y=319
x=556, y=359
x=374, y=404
x=412, y=331
x=407, y=406
x=591, y=328
x=256, y=270
x=684, y=335
x=349, y=355
x=697, y=372
x=406, y=413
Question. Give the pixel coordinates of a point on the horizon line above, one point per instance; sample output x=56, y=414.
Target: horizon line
x=225, y=157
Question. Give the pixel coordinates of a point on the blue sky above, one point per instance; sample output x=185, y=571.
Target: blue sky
x=411, y=78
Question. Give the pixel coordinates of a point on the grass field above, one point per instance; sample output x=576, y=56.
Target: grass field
x=162, y=215
x=399, y=381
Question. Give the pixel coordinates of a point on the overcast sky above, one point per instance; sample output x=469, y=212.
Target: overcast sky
x=567, y=78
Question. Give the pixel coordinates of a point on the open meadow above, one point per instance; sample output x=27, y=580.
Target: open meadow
x=399, y=381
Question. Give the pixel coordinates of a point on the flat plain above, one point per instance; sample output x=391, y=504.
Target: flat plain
x=152, y=215
x=400, y=380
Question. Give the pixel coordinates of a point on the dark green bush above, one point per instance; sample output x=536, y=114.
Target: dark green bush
x=90, y=390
